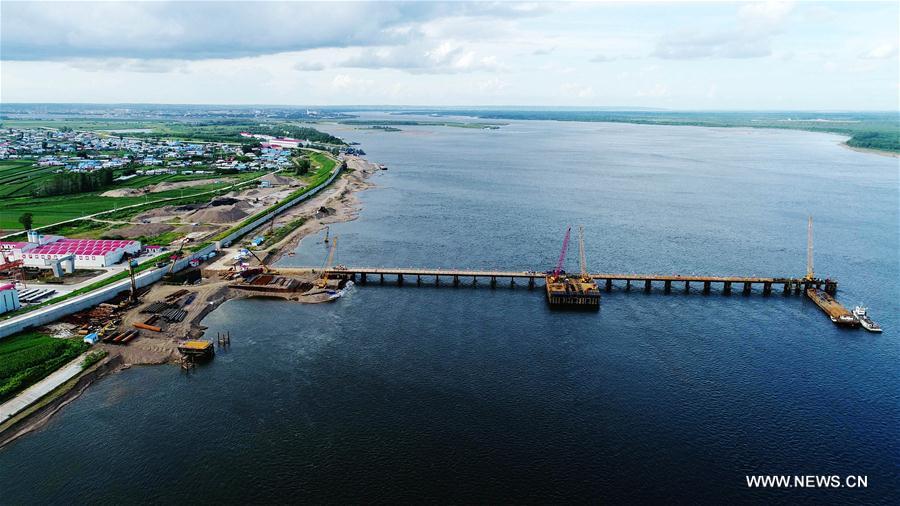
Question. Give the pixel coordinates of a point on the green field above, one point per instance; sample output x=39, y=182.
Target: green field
x=27, y=358
x=49, y=210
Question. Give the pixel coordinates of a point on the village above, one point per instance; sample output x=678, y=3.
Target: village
x=86, y=151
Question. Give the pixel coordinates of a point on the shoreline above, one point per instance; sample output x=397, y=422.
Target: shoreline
x=161, y=349
x=342, y=200
x=871, y=151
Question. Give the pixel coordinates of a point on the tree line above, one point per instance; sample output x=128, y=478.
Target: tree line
x=68, y=183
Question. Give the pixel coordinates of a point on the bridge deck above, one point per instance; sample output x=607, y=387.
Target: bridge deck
x=388, y=271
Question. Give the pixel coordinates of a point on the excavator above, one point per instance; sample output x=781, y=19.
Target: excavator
x=329, y=261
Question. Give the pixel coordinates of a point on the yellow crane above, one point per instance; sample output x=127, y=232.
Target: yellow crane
x=585, y=277
x=329, y=261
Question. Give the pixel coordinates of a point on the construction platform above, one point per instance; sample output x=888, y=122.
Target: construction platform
x=572, y=292
x=198, y=349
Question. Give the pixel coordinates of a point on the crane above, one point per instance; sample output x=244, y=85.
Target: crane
x=177, y=255
x=562, y=254
x=585, y=277
x=329, y=261
x=263, y=265
x=809, y=249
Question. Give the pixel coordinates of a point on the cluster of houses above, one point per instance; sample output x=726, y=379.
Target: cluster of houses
x=54, y=148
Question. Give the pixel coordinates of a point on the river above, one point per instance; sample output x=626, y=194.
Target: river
x=474, y=394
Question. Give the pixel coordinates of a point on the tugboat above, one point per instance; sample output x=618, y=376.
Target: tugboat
x=862, y=315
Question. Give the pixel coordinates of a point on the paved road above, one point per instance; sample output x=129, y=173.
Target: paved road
x=41, y=388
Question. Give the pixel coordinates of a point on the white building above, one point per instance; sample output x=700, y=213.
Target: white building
x=9, y=298
x=44, y=251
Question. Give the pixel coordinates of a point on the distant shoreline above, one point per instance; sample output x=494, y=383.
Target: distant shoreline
x=889, y=154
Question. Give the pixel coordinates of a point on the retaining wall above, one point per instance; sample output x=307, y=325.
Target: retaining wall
x=54, y=312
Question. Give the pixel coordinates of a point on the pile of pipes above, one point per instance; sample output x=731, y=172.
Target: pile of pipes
x=122, y=337
x=174, y=315
x=157, y=307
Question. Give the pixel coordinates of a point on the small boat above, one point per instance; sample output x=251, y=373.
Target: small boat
x=862, y=315
x=337, y=294
x=382, y=167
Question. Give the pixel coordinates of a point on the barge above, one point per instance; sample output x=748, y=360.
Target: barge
x=838, y=313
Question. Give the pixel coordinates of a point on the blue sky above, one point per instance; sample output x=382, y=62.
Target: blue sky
x=709, y=55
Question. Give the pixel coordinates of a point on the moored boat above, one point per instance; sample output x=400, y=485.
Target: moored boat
x=862, y=314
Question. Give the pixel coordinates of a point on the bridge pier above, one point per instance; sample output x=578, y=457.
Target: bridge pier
x=399, y=279
x=797, y=288
x=667, y=286
x=747, y=288
x=474, y=281
x=531, y=283
x=437, y=280
x=767, y=289
x=787, y=289
x=382, y=279
x=831, y=287
x=608, y=285
x=362, y=278
x=493, y=281
x=627, y=285
x=647, y=286
x=512, y=282
x=418, y=280
x=706, y=287
x=455, y=280
x=726, y=288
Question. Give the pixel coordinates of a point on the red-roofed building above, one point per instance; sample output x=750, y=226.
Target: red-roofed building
x=42, y=251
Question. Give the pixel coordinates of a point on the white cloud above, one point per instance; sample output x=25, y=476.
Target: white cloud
x=757, y=24
x=881, y=52
x=577, y=90
x=658, y=90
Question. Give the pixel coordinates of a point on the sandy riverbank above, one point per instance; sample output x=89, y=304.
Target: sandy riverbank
x=872, y=151
x=340, y=201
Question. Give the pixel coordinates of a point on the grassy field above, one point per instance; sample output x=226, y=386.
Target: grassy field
x=29, y=357
x=48, y=210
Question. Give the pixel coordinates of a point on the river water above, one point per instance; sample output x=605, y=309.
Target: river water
x=471, y=394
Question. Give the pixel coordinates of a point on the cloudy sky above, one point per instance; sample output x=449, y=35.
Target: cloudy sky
x=773, y=55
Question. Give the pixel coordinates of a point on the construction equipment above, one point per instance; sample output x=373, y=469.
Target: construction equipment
x=585, y=276
x=572, y=292
x=175, y=256
x=809, y=250
x=261, y=264
x=562, y=254
x=329, y=261
x=132, y=263
x=14, y=267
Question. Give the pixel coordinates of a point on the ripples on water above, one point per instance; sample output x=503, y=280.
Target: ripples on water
x=478, y=395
